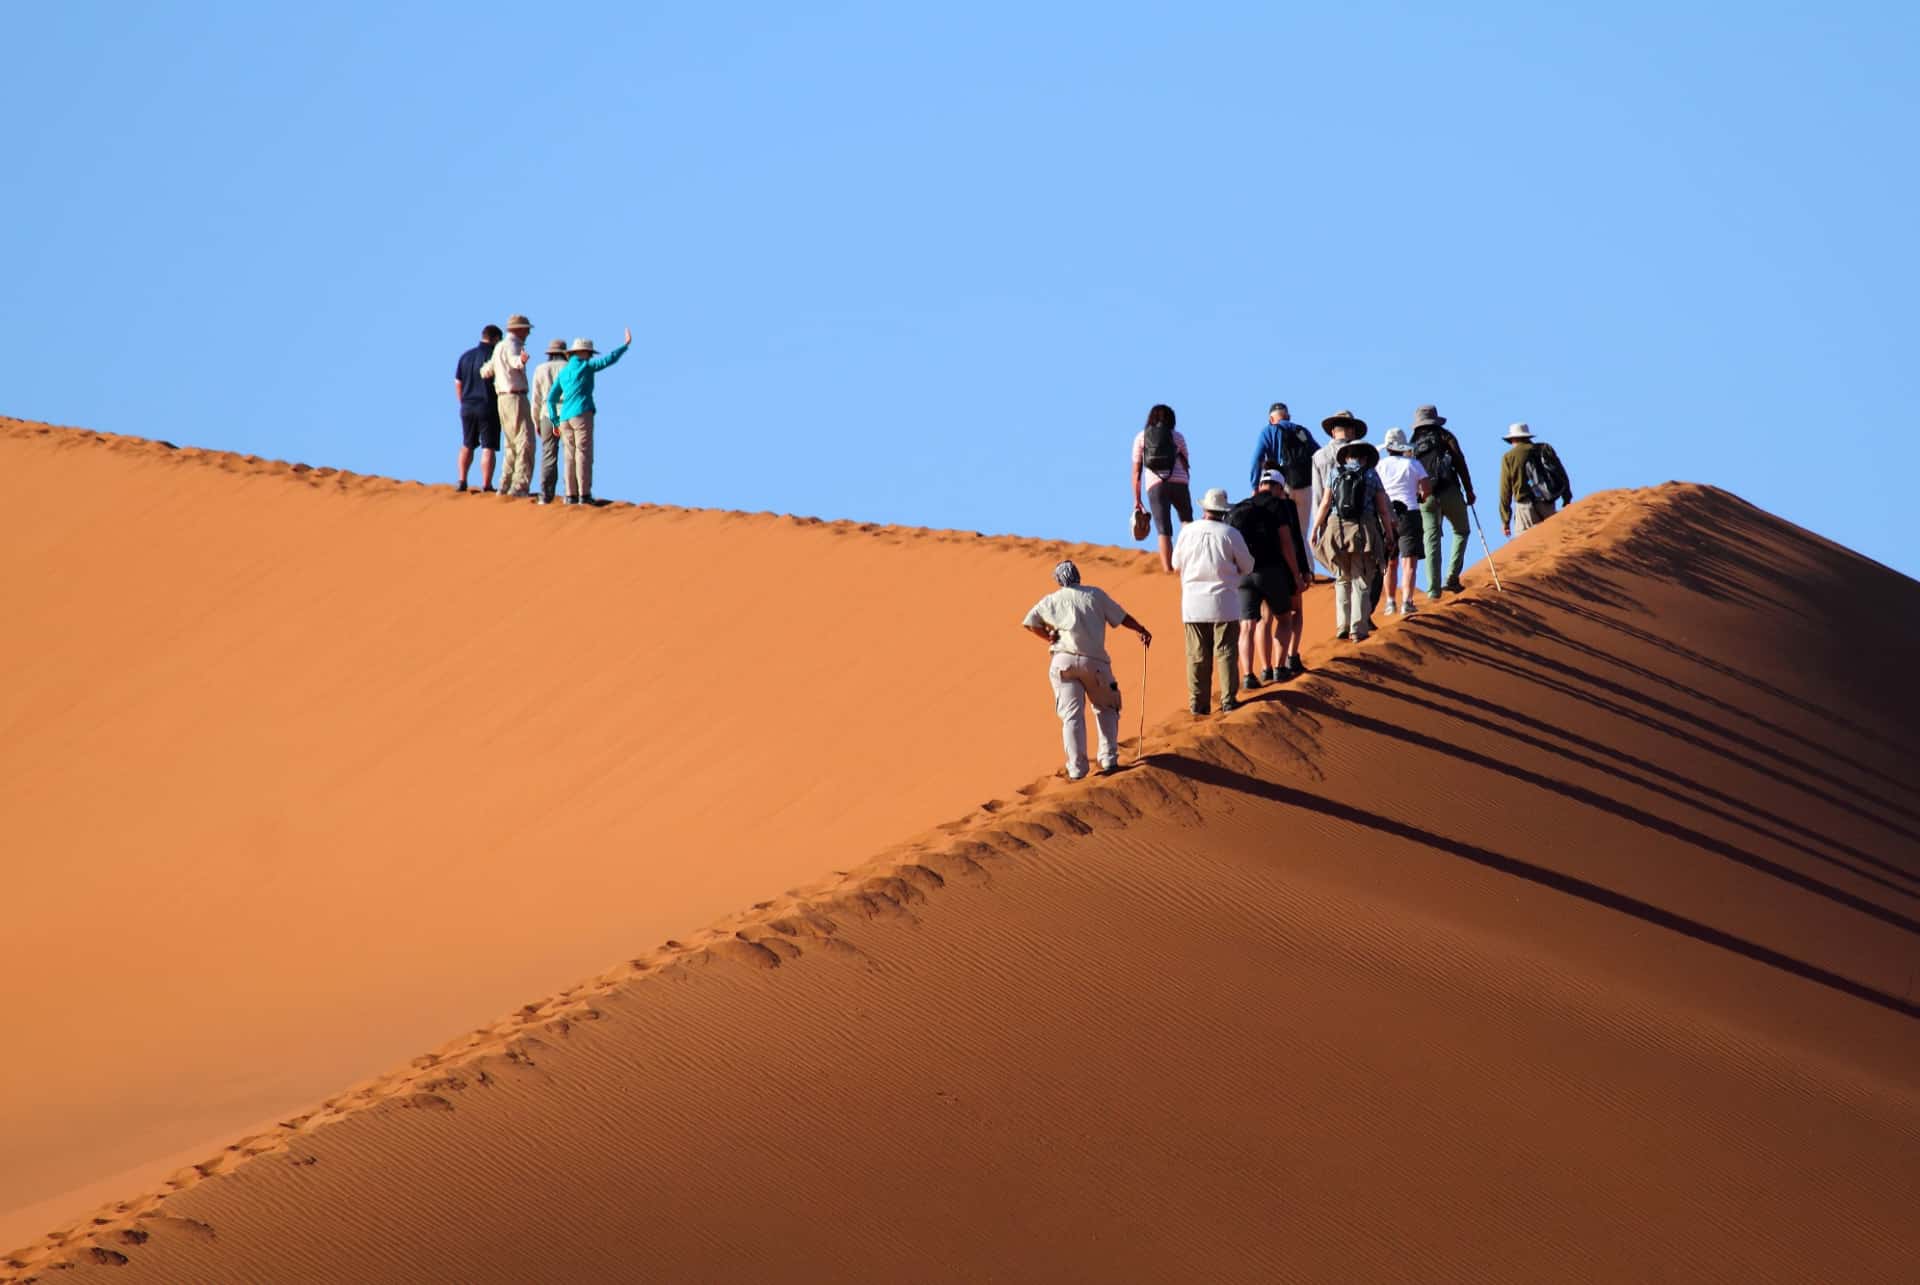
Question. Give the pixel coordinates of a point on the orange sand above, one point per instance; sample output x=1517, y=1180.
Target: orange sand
x=1562, y=934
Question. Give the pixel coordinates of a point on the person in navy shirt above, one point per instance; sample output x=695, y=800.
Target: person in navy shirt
x=479, y=411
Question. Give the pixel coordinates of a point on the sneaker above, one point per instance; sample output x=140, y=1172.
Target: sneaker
x=1342, y=635
x=543, y=499
x=461, y=486
x=1390, y=609
x=1359, y=637
x=1433, y=595
x=1108, y=769
x=1270, y=675
x=488, y=490
x=1227, y=707
x=1454, y=586
x=1198, y=711
x=1296, y=666
x=1407, y=608
x=1250, y=682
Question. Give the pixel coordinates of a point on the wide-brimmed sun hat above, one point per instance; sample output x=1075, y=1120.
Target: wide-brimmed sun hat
x=1361, y=451
x=1215, y=501
x=581, y=345
x=1518, y=433
x=1396, y=440
x=1428, y=417
x=556, y=347
x=518, y=322
x=1272, y=477
x=1345, y=419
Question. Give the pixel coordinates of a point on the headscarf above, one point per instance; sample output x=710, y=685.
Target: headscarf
x=1067, y=574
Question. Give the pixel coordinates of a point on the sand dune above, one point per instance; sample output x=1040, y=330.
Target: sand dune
x=1562, y=934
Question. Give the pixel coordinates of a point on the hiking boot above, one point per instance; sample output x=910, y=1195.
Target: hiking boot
x=1228, y=706
x=1108, y=769
x=1250, y=682
x=1454, y=586
x=1407, y=608
x=489, y=490
x=1433, y=595
x=1295, y=665
x=1198, y=711
x=1269, y=675
x=1359, y=636
x=1342, y=635
x=461, y=486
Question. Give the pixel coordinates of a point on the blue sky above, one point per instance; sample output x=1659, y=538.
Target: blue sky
x=932, y=264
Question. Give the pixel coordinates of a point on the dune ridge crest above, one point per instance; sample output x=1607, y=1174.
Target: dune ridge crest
x=1723, y=875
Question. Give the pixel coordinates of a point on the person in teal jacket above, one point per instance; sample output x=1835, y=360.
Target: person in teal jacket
x=570, y=407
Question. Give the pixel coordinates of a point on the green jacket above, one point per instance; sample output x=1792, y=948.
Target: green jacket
x=1513, y=484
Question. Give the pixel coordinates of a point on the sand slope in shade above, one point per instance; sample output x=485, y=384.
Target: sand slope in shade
x=302, y=771
x=1564, y=934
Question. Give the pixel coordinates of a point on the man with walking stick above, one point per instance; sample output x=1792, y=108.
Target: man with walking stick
x=1073, y=619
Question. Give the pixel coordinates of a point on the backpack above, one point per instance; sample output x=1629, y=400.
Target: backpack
x=1296, y=456
x=1541, y=475
x=1430, y=448
x=1259, y=525
x=1350, y=494
x=1158, y=451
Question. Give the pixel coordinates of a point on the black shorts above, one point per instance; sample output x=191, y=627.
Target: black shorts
x=1409, y=532
x=1271, y=585
x=480, y=427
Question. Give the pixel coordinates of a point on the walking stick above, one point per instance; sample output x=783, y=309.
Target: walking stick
x=1475, y=510
x=1140, y=751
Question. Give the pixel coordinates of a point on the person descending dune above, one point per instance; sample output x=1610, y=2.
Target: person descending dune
x=570, y=405
x=1074, y=619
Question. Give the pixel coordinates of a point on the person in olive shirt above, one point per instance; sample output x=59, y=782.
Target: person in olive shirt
x=1452, y=495
x=1519, y=505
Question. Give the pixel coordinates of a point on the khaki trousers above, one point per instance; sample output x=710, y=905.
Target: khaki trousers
x=1528, y=514
x=1080, y=681
x=516, y=443
x=1212, y=645
x=578, y=433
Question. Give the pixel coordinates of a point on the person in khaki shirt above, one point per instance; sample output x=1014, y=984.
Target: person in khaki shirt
x=508, y=370
x=1074, y=619
x=543, y=425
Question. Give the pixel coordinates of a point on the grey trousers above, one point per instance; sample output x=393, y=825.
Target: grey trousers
x=579, y=434
x=1212, y=646
x=549, y=462
x=1080, y=681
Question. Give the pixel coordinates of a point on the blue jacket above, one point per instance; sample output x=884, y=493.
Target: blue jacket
x=1271, y=447
x=572, y=391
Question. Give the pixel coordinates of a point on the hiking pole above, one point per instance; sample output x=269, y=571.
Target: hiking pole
x=1140, y=751
x=1477, y=526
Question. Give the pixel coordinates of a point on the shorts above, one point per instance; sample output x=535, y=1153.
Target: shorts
x=1409, y=532
x=1271, y=585
x=480, y=426
x=1164, y=495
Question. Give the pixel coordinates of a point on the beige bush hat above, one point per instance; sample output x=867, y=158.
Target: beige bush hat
x=1215, y=501
x=1396, y=440
x=518, y=322
x=1518, y=433
x=556, y=347
x=581, y=345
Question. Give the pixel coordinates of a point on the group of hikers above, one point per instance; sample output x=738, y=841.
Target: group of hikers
x=504, y=407
x=1369, y=519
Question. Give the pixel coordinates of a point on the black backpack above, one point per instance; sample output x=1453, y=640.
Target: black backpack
x=1542, y=476
x=1296, y=451
x=1159, y=451
x=1350, y=493
x=1260, y=527
x=1430, y=448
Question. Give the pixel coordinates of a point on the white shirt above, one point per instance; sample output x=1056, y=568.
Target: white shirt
x=1080, y=614
x=507, y=368
x=543, y=380
x=1402, y=476
x=1210, y=557
x=1178, y=473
